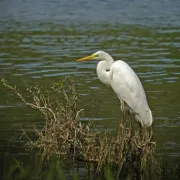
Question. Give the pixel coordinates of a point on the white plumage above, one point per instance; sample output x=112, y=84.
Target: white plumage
x=125, y=83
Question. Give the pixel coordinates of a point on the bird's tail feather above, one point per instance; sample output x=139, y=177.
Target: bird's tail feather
x=145, y=119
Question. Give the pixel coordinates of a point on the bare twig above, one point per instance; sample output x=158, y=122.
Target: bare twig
x=64, y=135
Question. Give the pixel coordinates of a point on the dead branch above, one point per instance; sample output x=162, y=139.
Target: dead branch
x=64, y=135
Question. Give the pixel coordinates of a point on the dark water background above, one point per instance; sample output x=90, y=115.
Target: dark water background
x=40, y=41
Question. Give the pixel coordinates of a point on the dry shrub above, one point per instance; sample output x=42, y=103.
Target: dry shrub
x=130, y=154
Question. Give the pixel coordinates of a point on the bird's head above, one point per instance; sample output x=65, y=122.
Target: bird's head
x=99, y=55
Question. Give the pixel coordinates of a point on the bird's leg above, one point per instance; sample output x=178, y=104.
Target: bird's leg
x=129, y=115
x=129, y=127
x=140, y=130
x=123, y=110
x=130, y=120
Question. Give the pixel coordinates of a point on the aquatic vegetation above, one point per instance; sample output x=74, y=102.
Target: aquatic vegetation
x=131, y=153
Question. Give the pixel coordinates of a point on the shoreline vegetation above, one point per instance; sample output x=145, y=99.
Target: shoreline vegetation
x=129, y=154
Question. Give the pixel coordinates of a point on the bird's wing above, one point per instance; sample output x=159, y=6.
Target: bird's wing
x=127, y=86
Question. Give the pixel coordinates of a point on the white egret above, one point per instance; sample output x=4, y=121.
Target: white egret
x=125, y=83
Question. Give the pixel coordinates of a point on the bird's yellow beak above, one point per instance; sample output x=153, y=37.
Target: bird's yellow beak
x=87, y=58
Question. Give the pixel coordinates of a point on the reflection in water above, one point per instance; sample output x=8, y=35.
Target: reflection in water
x=40, y=41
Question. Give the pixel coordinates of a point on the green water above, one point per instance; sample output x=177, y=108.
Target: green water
x=40, y=42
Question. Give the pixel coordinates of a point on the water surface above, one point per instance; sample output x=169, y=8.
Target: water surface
x=40, y=41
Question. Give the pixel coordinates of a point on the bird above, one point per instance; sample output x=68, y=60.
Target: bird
x=126, y=85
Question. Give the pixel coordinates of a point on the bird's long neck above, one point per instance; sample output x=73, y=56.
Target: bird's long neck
x=103, y=71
